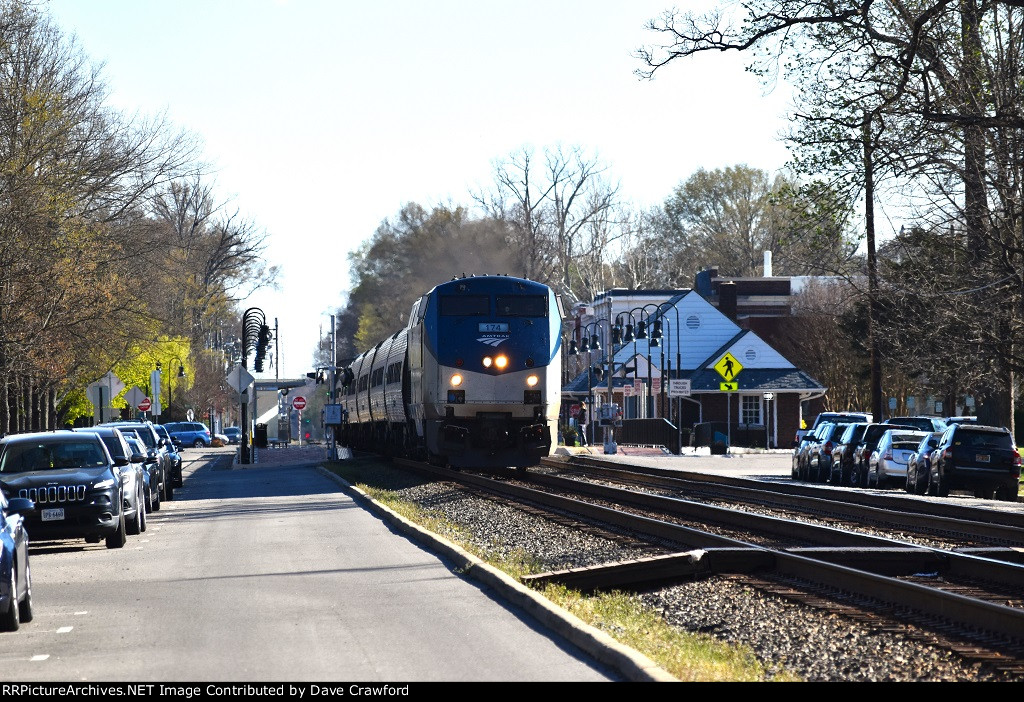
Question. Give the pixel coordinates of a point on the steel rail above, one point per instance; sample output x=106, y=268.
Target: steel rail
x=900, y=515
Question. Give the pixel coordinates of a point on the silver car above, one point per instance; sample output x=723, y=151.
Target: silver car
x=888, y=462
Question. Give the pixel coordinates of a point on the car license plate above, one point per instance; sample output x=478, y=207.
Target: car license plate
x=982, y=458
x=53, y=515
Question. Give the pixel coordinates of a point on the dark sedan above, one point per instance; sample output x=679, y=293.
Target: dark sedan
x=919, y=464
x=15, y=575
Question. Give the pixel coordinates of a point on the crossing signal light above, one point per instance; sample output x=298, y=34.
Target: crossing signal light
x=319, y=376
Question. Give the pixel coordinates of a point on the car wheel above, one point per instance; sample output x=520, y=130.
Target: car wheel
x=25, y=612
x=910, y=485
x=11, y=619
x=144, y=508
x=119, y=537
x=168, y=493
x=984, y=493
x=198, y=443
x=134, y=527
x=941, y=484
x=1007, y=493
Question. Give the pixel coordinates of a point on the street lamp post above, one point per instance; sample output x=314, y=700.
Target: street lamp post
x=180, y=374
x=253, y=322
x=587, y=346
x=678, y=367
x=653, y=339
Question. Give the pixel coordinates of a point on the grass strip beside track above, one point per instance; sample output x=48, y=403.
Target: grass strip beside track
x=688, y=656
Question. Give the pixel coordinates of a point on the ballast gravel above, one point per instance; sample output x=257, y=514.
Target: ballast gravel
x=816, y=645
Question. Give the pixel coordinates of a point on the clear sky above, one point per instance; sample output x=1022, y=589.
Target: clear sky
x=324, y=117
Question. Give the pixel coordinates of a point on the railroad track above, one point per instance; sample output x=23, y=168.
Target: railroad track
x=985, y=532
x=962, y=604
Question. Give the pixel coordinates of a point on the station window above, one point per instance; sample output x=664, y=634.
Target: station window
x=750, y=409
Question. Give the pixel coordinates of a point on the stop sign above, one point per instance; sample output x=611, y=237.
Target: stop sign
x=145, y=404
x=299, y=402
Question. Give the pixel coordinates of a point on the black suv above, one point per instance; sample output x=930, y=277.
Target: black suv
x=157, y=454
x=172, y=449
x=844, y=454
x=975, y=457
x=75, y=484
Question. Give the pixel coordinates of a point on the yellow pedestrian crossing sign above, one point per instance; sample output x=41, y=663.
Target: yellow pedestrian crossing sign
x=728, y=387
x=728, y=367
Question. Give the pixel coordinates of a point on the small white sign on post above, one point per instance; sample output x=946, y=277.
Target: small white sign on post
x=679, y=387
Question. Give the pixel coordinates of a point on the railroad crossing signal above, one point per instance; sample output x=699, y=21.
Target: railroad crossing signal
x=728, y=367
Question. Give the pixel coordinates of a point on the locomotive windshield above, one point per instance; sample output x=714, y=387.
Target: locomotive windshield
x=462, y=305
x=522, y=306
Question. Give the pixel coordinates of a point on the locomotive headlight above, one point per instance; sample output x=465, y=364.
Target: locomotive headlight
x=457, y=379
x=488, y=361
x=532, y=380
x=501, y=362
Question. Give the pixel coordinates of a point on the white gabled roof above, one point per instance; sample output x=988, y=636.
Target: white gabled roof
x=752, y=352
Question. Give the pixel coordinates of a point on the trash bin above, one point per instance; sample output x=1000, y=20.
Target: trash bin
x=260, y=436
x=719, y=444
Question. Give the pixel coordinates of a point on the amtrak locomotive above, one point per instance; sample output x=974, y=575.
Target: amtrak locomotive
x=472, y=381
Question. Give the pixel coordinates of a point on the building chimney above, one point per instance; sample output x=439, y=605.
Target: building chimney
x=767, y=264
x=727, y=299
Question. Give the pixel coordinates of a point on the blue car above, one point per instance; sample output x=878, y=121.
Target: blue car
x=194, y=434
x=15, y=576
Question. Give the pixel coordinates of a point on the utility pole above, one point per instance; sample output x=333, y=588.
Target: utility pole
x=330, y=384
x=277, y=354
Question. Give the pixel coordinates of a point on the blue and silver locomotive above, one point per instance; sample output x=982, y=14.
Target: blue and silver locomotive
x=472, y=381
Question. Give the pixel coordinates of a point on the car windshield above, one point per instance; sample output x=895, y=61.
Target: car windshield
x=27, y=456
x=906, y=445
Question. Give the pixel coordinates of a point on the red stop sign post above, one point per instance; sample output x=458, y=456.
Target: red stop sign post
x=299, y=403
x=145, y=404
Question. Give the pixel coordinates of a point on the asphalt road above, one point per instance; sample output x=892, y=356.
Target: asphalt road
x=270, y=573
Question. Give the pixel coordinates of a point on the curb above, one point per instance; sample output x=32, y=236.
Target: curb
x=632, y=664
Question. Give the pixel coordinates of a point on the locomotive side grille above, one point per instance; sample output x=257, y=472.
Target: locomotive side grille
x=54, y=494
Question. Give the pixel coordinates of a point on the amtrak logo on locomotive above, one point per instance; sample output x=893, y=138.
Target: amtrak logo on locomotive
x=493, y=333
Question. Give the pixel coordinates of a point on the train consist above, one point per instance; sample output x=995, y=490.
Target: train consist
x=471, y=381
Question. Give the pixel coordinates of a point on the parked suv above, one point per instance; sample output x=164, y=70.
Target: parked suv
x=172, y=449
x=133, y=476
x=819, y=455
x=976, y=457
x=73, y=481
x=844, y=454
x=920, y=423
x=843, y=417
x=193, y=434
x=157, y=454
